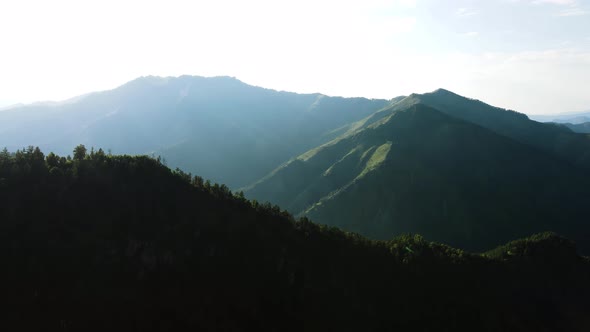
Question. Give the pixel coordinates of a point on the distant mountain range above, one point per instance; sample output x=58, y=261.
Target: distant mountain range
x=453, y=168
x=219, y=127
x=573, y=118
x=577, y=122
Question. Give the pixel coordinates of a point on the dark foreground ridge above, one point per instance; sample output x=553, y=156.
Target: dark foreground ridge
x=119, y=243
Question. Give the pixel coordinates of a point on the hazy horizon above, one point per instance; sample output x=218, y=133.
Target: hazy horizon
x=532, y=56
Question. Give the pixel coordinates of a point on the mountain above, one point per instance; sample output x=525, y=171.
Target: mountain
x=117, y=243
x=583, y=128
x=553, y=138
x=575, y=118
x=218, y=127
x=548, y=137
x=413, y=168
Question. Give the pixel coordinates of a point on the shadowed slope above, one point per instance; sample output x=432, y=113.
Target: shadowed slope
x=115, y=243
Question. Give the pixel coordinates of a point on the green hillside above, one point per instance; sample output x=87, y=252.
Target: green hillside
x=420, y=170
x=117, y=243
x=549, y=137
x=552, y=138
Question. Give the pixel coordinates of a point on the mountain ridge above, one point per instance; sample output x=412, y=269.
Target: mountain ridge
x=204, y=125
x=433, y=156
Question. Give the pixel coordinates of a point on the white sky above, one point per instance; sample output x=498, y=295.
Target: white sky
x=529, y=55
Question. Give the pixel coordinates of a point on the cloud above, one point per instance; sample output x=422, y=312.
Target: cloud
x=555, y=2
x=465, y=12
x=573, y=7
x=574, y=11
x=471, y=34
x=533, y=82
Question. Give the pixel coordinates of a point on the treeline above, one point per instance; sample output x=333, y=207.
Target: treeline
x=100, y=242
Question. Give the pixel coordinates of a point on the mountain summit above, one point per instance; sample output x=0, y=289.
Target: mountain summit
x=452, y=168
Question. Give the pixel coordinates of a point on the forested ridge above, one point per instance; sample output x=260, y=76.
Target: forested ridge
x=98, y=242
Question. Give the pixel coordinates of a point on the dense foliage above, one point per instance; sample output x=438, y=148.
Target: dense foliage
x=97, y=242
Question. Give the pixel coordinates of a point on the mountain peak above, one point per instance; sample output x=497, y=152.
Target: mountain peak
x=164, y=80
x=442, y=90
x=438, y=93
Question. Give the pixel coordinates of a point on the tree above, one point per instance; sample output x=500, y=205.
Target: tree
x=100, y=155
x=4, y=153
x=197, y=180
x=37, y=160
x=5, y=160
x=4, y=156
x=80, y=152
x=52, y=160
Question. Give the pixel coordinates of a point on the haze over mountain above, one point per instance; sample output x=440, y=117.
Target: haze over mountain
x=576, y=122
x=372, y=48
x=218, y=127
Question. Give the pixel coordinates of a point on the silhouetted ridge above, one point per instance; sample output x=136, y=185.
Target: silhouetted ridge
x=542, y=247
x=96, y=242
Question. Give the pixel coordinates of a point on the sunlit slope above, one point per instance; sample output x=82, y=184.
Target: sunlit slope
x=420, y=170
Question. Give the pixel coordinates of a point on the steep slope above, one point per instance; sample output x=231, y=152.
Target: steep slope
x=218, y=127
x=115, y=243
x=549, y=137
x=419, y=170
